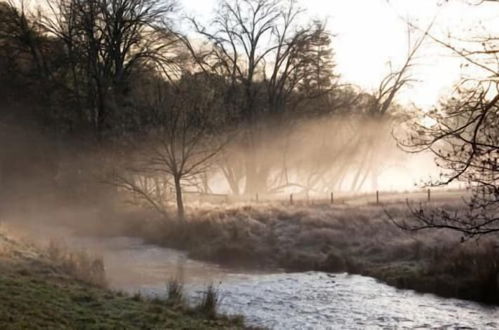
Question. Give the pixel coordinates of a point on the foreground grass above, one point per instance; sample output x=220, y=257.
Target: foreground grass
x=37, y=292
x=338, y=239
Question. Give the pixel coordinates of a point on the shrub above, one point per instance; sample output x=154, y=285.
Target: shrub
x=473, y=269
x=334, y=263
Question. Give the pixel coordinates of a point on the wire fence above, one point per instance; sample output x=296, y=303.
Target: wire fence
x=331, y=198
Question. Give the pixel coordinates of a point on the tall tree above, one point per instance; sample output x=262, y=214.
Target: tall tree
x=315, y=76
x=106, y=40
x=263, y=52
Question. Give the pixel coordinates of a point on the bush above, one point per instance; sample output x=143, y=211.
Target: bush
x=334, y=263
x=299, y=261
x=471, y=270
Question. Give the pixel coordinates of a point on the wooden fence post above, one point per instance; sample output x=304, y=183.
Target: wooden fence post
x=291, y=199
x=377, y=197
x=332, y=198
x=429, y=194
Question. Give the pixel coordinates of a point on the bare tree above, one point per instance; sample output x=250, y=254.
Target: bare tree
x=106, y=40
x=462, y=134
x=379, y=112
x=183, y=142
x=265, y=55
x=21, y=35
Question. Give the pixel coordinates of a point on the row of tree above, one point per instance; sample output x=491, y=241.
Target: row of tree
x=239, y=99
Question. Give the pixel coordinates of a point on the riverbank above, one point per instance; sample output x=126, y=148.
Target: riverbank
x=357, y=240
x=42, y=289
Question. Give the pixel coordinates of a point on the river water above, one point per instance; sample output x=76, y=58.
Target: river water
x=311, y=300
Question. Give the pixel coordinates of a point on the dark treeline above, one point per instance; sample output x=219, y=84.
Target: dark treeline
x=97, y=91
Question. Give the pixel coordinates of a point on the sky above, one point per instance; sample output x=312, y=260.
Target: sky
x=370, y=34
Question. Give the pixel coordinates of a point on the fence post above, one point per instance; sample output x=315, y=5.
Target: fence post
x=332, y=198
x=377, y=197
x=291, y=199
x=429, y=194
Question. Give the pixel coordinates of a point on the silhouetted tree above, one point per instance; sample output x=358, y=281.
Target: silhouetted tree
x=106, y=41
x=184, y=140
x=265, y=55
x=462, y=134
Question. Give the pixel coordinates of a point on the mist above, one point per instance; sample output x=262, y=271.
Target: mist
x=330, y=154
x=240, y=169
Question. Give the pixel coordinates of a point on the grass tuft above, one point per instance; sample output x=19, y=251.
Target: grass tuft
x=81, y=265
x=175, y=292
x=210, y=301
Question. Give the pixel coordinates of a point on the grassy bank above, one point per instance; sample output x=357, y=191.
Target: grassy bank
x=56, y=290
x=337, y=239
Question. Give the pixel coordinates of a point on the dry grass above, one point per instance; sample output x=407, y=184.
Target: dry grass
x=175, y=291
x=80, y=264
x=210, y=301
x=336, y=239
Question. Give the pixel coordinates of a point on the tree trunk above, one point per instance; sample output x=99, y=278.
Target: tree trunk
x=180, y=202
x=256, y=180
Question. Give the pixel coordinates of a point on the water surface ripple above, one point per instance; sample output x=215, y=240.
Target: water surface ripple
x=311, y=300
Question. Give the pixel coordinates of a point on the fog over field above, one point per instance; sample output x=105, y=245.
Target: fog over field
x=249, y=163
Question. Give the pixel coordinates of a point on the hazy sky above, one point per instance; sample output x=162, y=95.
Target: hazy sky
x=370, y=33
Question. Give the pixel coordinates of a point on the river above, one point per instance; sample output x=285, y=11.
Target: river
x=311, y=300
